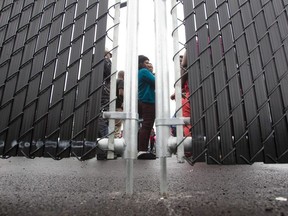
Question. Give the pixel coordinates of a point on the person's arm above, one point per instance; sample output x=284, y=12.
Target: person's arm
x=120, y=88
x=121, y=92
x=148, y=77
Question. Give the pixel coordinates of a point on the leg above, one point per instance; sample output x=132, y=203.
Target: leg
x=186, y=113
x=151, y=146
x=102, y=132
x=118, y=125
x=102, y=127
x=148, y=115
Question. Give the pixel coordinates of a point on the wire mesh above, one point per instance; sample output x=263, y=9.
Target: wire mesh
x=51, y=66
x=237, y=62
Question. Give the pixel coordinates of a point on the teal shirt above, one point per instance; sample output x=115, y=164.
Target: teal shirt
x=146, y=86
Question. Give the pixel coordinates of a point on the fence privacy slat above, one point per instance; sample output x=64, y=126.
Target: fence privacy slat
x=51, y=78
x=47, y=75
x=247, y=82
x=194, y=77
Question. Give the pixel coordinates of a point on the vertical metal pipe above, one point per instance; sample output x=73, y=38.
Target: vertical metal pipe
x=178, y=91
x=129, y=176
x=162, y=90
x=163, y=177
x=112, y=106
x=131, y=91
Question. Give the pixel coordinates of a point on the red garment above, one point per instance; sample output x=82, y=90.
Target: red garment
x=186, y=109
x=152, y=138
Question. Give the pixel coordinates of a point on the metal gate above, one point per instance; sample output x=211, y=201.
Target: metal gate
x=51, y=63
x=238, y=79
x=50, y=87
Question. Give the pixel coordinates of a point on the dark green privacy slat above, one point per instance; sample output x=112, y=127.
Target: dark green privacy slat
x=51, y=74
x=4, y=123
x=53, y=121
x=6, y=50
x=224, y=80
x=71, y=76
x=260, y=90
x=278, y=110
x=47, y=16
x=26, y=15
x=249, y=79
x=194, y=77
x=243, y=50
x=12, y=26
x=5, y=14
x=59, y=7
x=38, y=7
x=81, y=9
x=97, y=74
x=207, y=80
x=15, y=63
x=67, y=117
x=20, y=38
x=79, y=27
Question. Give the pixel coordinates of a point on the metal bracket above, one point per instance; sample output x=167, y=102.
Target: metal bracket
x=119, y=144
x=187, y=142
x=172, y=121
x=121, y=115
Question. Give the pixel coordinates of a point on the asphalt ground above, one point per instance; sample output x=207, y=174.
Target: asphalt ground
x=43, y=186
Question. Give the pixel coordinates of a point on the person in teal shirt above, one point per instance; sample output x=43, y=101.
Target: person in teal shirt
x=146, y=105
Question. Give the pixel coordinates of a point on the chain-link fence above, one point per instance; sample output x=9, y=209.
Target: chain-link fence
x=237, y=54
x=51, y=76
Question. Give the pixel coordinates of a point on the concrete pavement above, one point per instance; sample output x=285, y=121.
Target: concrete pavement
x=43, y=186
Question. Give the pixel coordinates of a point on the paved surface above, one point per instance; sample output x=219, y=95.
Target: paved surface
x=43, y=186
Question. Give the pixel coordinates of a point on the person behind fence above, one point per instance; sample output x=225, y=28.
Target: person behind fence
x=105, y=100
x=146, y=106
x=172, y=97
x=119, y=102
x=105, y=96
x=152, y=140
x=185, y=96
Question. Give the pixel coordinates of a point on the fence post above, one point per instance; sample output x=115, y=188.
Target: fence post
x=178, y=90
x=162, y=90
x=131, y=92
x=112, y=106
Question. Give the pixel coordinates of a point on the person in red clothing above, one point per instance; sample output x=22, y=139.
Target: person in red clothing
x=185, y=94
x=152, y=140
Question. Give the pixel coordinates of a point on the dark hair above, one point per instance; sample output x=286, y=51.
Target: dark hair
x=141, y=60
